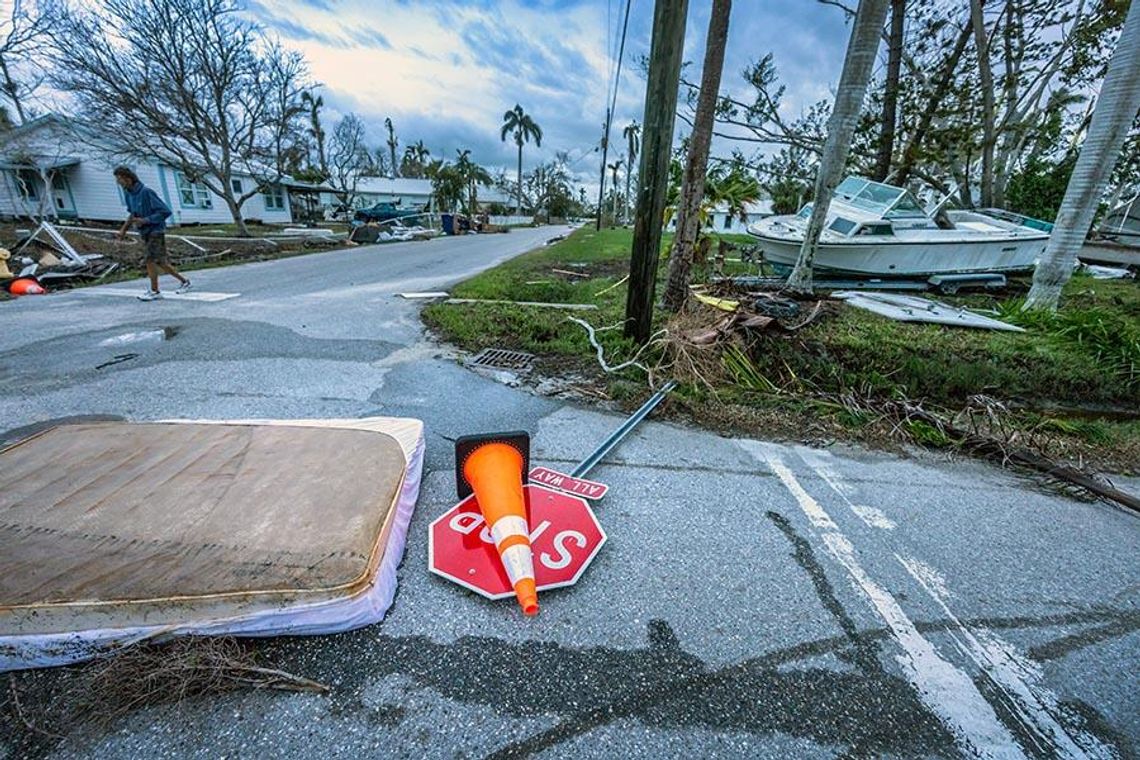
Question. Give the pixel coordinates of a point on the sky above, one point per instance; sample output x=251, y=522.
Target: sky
x=445, y=71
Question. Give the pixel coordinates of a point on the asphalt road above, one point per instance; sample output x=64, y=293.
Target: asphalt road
x=753, y=599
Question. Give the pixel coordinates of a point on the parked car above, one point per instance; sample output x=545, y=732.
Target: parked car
x=381, y=212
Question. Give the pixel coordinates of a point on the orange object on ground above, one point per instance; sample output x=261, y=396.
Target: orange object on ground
x=495, y=473
x=25, y=286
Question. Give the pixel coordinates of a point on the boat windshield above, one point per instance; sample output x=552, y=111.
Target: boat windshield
x=878, y=198
x=805, y=212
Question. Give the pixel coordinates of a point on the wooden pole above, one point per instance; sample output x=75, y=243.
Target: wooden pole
x=657, y=142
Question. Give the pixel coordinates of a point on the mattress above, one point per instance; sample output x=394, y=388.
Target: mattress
x=112, y=533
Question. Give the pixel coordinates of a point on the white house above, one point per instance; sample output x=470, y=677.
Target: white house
x=372, y=190
x=721, y=221
x=409, y=192
x=68, y=156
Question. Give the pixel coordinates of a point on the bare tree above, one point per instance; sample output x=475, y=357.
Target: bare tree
x=189, y=83
x=891, y=92
x=348, y=157
x=1116, y=109
x=986, y=78
x=861, y=51
x=23, y=33
x=693, y=184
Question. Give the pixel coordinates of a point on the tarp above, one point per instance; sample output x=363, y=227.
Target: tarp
x=113, y=533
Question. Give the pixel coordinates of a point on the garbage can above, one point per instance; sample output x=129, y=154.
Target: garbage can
x=448, y=222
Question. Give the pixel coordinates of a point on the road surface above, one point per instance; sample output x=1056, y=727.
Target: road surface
x=753, y=599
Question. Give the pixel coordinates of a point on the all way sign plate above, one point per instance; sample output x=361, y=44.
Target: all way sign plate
x=587, y=489
x=564, y=533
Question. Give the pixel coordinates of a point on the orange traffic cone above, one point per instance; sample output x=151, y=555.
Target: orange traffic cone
x=25, y=286
x=494, y=469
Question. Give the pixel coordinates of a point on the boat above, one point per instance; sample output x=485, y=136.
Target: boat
x=876, y=229
x=1117, y=240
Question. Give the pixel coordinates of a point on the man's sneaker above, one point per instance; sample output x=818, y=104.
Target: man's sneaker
x=150, y=295
x=184, y=288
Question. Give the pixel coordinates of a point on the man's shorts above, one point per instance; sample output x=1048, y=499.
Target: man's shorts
x=155, y=247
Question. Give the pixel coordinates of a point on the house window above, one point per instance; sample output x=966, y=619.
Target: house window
x=236, y=185
x=28, y=183
x=274, y=198
x=728, y=221
x=192, y=194
x=58, y=181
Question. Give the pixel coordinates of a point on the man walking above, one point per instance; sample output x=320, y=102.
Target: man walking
x=148, y=213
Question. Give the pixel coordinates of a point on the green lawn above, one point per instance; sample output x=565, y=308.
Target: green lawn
x=1076, y=373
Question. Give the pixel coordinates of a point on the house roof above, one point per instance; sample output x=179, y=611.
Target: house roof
x=34, y=162
x=762, y=208
x=390, y=186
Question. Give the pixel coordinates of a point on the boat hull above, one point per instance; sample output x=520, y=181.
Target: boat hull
x=908, y=258
x=1111, y=253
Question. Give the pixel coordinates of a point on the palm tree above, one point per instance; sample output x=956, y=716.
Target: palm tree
x=861, y=51
x=316, y=131
x=522, y=127
x=632, y=134
x=415, y=160
x=1116, y=107
x=447, y=184
x=472, y=175
x=734, y=189
x=392, y=143
x=693, y=185
x=614, y=167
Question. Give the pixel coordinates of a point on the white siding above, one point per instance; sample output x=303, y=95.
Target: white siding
x=97, y=196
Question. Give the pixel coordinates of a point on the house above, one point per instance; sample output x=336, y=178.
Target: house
x=720, y=220
x=57, y=167
x=372, y=190
x=409, y=192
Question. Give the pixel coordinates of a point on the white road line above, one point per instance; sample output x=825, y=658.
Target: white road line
x=946, y=690
x=818, y=461
x=1033, y=705
x=193, y=295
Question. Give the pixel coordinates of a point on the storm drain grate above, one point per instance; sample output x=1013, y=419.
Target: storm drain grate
x=500, y=358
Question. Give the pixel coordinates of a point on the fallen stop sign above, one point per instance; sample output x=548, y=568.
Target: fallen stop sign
x=564, y=535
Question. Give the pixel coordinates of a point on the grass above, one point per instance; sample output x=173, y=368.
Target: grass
x=1074, y=375
x=602, y=258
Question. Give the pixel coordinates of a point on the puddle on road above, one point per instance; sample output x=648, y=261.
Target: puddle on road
x=144, y=336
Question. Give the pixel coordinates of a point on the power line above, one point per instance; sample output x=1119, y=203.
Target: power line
x=610, y=112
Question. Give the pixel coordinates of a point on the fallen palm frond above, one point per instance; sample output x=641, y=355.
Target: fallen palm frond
x=745, y=372
x=984, y=429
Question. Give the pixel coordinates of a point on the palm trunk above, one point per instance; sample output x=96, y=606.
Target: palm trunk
x=628, y=174
x=985, y=75
x=1115, y=109
x=891, y=92
x=861, y=51
x=518, y=195
x=615, y=203
x=693, y=183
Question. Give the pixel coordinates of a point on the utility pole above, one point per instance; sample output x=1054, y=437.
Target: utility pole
x=665, y=56
x=605, y=152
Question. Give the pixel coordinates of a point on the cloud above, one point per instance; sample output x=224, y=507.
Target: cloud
x=446, y=70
